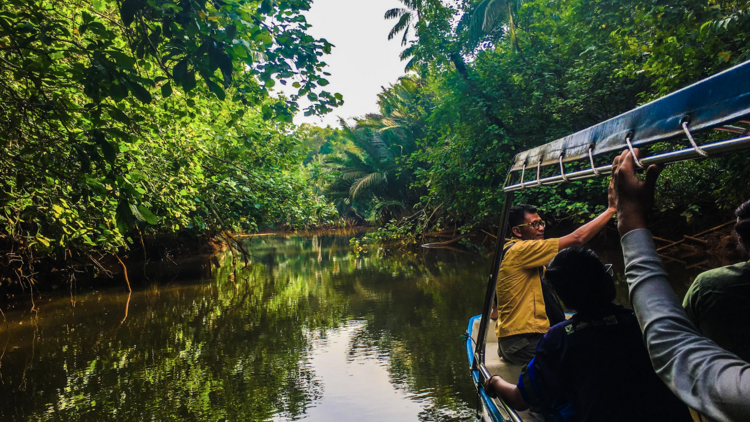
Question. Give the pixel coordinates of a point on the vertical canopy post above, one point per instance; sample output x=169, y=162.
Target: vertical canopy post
x=491, y=282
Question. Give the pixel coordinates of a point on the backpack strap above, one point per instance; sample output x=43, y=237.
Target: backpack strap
x=614, y=319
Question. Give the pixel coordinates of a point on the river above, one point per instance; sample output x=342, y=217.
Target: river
x=310, y=330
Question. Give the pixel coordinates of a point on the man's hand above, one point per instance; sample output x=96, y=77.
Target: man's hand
x=634, y=197
x=489, y=388
x=496, y=386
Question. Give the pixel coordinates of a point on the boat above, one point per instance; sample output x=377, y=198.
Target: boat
x=718, y=104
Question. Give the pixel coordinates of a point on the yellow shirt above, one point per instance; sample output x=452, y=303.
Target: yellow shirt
x=520, y=303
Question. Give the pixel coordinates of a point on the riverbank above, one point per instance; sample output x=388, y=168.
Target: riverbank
x=701, y=245
x=170, y=256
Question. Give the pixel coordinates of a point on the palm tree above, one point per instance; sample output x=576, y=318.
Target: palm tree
x=405, y=15
x=367, y=175
x=489, y=15
x=372, y=181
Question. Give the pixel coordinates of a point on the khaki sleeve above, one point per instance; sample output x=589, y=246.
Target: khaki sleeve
x=535, y=253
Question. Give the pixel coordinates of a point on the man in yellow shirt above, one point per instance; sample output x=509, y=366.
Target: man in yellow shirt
x=522, y=317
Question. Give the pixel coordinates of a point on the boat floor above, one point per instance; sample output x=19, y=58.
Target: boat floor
x=495, y=364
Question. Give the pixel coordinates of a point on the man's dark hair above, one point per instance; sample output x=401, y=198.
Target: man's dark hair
x=517, y=215
x=580, y=279
x=743, y=225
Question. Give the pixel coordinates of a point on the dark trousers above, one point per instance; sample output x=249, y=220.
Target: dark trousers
x=518, y=349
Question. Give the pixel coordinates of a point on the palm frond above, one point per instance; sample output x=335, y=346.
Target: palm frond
x=402, y=23
x=405, y=38
x=407, y=53
x=489, y=15
x=366, y=182
x=353, y=173
x=395, y=13
x=495, y=12
x=411, y=64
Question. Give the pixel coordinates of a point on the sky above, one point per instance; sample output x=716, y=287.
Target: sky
x=362, y=60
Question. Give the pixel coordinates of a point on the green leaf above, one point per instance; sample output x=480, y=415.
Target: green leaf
x=148, y=215
x=124, y=216
x=140, y=92
x=217, y=58
x=43, y=240
x=239, y=51
x=123, y=60
x=166, y=90
x=216, y=89
x=108, y=151
x=180, y=70
x=118, y=115
x=128, y=10
x=189, y=82
x=118, y=92
x=96, y=186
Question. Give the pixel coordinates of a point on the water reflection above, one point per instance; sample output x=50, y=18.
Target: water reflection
x=309, y=330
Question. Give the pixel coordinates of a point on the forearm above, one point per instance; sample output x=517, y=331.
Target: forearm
x=707, y=378
x=584, y=233
x=507, y=392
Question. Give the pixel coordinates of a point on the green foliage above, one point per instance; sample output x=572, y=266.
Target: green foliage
x=152, y=115
x=514, y=75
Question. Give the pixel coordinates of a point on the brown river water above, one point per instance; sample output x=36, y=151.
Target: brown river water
x=311, y=330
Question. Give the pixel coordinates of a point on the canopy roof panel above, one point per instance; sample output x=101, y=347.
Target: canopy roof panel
x=712, y=102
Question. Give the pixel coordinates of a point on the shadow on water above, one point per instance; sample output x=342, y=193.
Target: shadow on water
x=308, y=330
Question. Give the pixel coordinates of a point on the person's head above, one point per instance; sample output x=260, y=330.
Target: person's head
x=525, y=223
x=742, y=229
x=581, y=279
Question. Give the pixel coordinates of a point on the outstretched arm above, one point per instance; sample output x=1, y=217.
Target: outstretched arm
x=706, y=377
x=584, y=233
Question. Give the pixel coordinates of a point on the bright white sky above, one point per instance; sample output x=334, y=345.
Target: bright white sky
x=362, y=60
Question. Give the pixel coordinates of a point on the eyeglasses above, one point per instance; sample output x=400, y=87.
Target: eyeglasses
x=535, y=225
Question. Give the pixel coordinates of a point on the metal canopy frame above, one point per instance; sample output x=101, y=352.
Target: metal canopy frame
x=711, y=104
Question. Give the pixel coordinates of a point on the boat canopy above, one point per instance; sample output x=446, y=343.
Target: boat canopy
x=711, y=104
x=720, y=102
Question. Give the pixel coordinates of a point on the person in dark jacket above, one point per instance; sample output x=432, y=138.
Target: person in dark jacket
x=594, y=366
